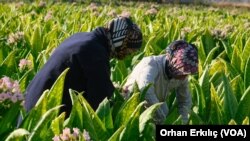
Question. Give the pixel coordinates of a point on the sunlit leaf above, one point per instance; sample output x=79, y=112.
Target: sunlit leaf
x=105, y=114
x=8, y=66
x=230, y=102
x=242, y=109
x=247, y=74
x=216, y=113
x=17, y=135
x=245, y=121
x=126, y=110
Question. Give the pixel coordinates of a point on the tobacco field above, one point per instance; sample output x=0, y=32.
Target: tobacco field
x=30, y=32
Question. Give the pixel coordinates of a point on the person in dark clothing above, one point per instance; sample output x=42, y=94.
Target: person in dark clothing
x=87, y=55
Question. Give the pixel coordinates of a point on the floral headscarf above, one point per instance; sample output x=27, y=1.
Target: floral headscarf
x=182, y=58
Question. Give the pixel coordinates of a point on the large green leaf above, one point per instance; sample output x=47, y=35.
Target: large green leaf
x=245, y=54
x=119, y=72
x=230, y=102
x=200, y=99
x=105, y=114
x=24, y=81
x=210, y=56
x=216, y=79
x=237, y=87
x=2, y=56
x=205, y=86
x=195, y=119
x=8, y=66
x=144, y=91
x=232, y=122
x=202, y=55
x=217, y=65
x=208, y=43
x=76, y=115
x=31, y=119
x=126, y=110
x=117, y=102
x=228, y=48
x=137, y=58
x=9, y=118
x=116, y=135
x=247, y=74
x=92, y=119
x=173, y=31
x=193, y=35
x=149, y=133
x=17, y=135
x=236, y=59
x=215, y=116
x=243, y=110
x=56, y=92
x=172, y=116
x=230, y=69
x=245, y=121
x=57, y=124
x=80, y=116
x=131, y=130
x=147, y=116
x=39, y=131
x=238, y=42
x=47, y=100
x=148, y=49
x=36, y=41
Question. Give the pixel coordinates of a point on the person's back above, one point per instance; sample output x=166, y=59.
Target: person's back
x=81, y=53
x=87, y=56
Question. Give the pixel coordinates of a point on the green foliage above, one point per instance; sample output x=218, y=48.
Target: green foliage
x=105, y=114
x=8, y=66
x=242, y=110
x=230, y=103
x=246, y=74
x=220, y=92
x=9, y=118
x=48, y=100
x=17, y=135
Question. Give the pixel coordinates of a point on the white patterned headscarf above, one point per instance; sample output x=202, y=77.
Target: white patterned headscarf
x=124, y=33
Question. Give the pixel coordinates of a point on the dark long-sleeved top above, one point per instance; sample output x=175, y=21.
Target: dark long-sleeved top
x=87, y=56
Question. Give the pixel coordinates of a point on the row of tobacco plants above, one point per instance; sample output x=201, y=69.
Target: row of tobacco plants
x=30, y=32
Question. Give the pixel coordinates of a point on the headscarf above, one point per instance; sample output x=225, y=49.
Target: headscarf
x=182, y=58
x=124, y=33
